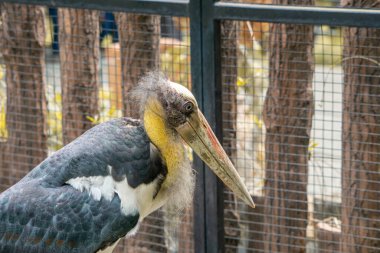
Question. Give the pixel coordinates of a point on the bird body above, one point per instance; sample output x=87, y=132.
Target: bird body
x=58, y=208
x=97, y=189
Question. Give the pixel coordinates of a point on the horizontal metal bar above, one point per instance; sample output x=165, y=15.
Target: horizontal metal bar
x=298, y=14
x=158, y=7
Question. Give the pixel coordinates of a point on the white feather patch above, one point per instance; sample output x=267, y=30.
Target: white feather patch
x=96, y=186
x=139, y=199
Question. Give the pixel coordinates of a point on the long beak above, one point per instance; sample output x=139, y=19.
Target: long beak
x=199, y=136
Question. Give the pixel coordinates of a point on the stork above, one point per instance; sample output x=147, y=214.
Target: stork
x=98, y=188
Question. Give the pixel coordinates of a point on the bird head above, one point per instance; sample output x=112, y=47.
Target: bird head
x=177, y=108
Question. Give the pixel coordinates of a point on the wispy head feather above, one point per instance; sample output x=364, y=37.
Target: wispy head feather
x=150, y=84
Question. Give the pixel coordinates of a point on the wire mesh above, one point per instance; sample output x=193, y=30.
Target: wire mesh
x=297, y=137
x=300, y=117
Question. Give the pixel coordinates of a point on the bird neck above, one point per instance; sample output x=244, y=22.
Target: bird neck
x=165, y=139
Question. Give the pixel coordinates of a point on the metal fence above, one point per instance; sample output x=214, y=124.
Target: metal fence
x=292, y=91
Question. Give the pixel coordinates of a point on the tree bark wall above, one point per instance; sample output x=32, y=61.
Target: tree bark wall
x=139, y=38
x=79, y=55
x=361, y=138
x=23, y=38
x=288, y=111
x=139, y=46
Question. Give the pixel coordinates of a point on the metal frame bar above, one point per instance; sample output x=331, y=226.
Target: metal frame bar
x=223, y=10
x=199, y=211
x=298, y=14
x=212, y=90
x=208, y=203
x=158, y=7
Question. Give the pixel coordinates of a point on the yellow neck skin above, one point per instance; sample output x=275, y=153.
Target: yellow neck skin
x=162, y=137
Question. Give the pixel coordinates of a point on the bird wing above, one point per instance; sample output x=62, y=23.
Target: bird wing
x=34, y=219
x=121, y=144
x=43, y=213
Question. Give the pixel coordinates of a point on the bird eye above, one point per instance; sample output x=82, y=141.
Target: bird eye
x=188, y=106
